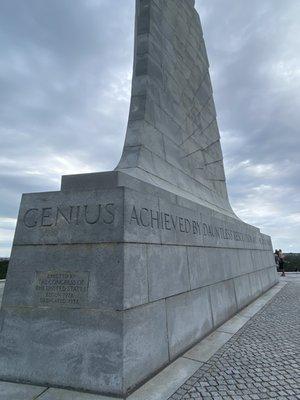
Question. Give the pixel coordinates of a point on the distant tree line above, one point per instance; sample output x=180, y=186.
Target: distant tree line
x=292, y=262
x=3, y=268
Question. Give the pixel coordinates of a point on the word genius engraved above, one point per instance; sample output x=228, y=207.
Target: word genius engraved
x=69, y=215
x=61, y=289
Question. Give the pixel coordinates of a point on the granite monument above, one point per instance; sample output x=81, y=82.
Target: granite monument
x=118, y=273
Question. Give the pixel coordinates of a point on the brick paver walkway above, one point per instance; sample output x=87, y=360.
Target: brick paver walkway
x=260, y=362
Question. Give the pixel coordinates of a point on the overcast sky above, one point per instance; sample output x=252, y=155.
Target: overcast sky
x=65, y=75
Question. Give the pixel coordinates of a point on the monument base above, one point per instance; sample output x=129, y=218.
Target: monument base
x=111, y=279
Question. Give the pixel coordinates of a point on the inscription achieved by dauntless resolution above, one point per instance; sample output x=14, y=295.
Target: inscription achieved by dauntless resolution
x=162, y=220
x=65, y=289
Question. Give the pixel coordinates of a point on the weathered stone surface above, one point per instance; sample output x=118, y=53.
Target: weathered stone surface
x=199, y=267
x=223, y=302
x=145, y=342
x=63, y=347
x=247, y=287
x=120, y=272
x=167, y=271
x=16, y=391
x=189, y=318
x=100, y=265
x=267, y=277
x=136, y=288
x=2, y=283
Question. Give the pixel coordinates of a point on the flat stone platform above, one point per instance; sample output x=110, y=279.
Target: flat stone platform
x=251, y=356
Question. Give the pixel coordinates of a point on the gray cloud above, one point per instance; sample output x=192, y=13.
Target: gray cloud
x=64, y=92
x=254, y=60
x=65, y=76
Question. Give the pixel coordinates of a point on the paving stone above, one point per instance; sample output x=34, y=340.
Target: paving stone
x=261, y=361
x=208, y=346
x=17, y=391
x=163, y=384
x=61, y=394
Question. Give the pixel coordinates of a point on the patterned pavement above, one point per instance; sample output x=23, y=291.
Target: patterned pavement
x=262, y=361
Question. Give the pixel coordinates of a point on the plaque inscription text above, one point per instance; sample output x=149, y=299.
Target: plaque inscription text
x=59, y=288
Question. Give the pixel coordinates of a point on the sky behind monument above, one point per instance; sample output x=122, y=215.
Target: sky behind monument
x=65, y=76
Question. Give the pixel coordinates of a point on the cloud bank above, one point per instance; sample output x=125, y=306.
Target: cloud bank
x=255, y=67
x=65, y=76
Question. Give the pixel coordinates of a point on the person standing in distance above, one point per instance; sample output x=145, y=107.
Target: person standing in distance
x=281, y=262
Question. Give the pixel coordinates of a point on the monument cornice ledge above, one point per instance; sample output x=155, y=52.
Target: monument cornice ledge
x=150, y=178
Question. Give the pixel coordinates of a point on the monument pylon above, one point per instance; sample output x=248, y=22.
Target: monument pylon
x=118, y=273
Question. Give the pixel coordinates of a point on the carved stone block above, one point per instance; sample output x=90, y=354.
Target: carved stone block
x=120, y=272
